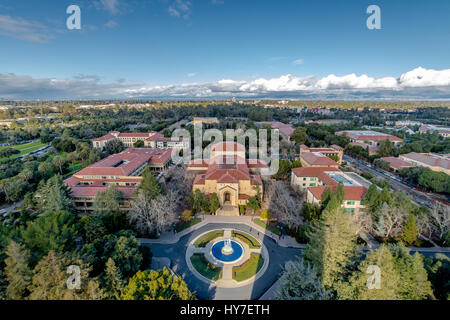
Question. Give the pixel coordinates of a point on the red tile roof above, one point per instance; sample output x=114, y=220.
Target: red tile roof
x=431, y=159
x=318, y=159
x=228, y=146
x=351, y=192
x=397, y=163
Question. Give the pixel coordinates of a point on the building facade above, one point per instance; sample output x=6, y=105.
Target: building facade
x=122, y=170
x=151, y=139
x=433, y=161
x=228, y=174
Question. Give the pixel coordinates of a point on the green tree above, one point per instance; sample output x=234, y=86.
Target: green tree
x=299, y=281
x=363, y=285
x=50, y=278
x=332, y=247
x=139, y=144
x=410, y=231
x=113, y=282
x=149, y=185
x=299, y=135
x=54, y=195
x=214, y=203
x=385, y=148
x=53, y=232
x=17, y=271
x=114, y=146
x=107, y=202
x=156, y=285
x=438, y=268
x=413, y=284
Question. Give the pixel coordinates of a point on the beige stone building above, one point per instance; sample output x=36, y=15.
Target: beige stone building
x=150, y=139
x=433, y=161
x=228, y=174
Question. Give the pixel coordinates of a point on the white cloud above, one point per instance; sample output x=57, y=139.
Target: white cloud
x=421, y=77
x=298, y=61
x=111, y=6
x=20, y=28
x=192, y=74
x=180, y=8
x=419, y=83
x=111, y=24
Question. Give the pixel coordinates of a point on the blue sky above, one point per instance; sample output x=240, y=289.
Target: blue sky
x=183, y=48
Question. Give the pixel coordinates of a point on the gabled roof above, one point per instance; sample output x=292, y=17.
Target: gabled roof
x=351, y=192
x=314, y=158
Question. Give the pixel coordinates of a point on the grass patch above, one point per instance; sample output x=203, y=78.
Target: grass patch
x=249, y=268
x=269, y=227
x=181, y=226
x=248, y=239
x=23, y=148
x=204, y=239
x=205, y=268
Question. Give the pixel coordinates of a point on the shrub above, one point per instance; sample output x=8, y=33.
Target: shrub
x=265, y=215
x=242, y=209
x=301, y=235
x=187, y=215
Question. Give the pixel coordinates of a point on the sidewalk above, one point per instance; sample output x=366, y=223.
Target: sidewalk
x=171, y=237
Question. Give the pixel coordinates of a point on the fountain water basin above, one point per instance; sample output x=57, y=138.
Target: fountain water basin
x=227, y=251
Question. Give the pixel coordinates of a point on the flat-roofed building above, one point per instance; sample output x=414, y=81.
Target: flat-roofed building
x=314, y=181
x=151, y=139
x=445, y=132
x=122, y=170
x=397, y=164
x=371, y=138
x=433, y=161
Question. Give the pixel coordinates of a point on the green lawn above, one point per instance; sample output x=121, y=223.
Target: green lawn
x=269, y=227
x=205, y=268
x=249, y=268
x=181, y=226
x=24, y=149
x=248, y=239
x=204, y=239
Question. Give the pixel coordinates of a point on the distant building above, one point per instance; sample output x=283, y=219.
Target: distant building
x=445, y=132
x=330, y=121
x=333, y=150
x=371, y=138
x=151, y=139
x=205, y=120
x=122, y=170
x=322, y=111
x=315, y=181
x=397, y=164
x=406, y=123
x=285, y=129
x=433, y=161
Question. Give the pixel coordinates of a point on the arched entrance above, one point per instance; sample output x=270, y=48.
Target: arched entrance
x=227, y=198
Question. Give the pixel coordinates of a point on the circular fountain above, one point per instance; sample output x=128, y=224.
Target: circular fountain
x=227, y=251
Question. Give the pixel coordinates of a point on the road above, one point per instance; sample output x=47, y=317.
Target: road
x=418, y=197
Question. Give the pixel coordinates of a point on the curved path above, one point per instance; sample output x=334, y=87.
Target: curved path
x=176, y=253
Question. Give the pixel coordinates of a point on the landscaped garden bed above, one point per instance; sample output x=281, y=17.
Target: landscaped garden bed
x=246, y=238
x=269, y=227
x=181, y=226
x=249, y=268
x=208, y=237
x=205, y=268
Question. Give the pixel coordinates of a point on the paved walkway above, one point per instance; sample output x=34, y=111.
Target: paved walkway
x=172, y=237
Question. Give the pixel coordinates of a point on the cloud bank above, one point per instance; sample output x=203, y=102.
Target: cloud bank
x=419, y=83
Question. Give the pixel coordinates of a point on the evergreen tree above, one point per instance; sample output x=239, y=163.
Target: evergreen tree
x=299, y=282
x=326, y=197
x=332, y=247
x=53, y=232
x=149, y=185
x=410, y=231
x=17, y=271
x=50, y=279
x=414, y=284
x=54, y=195
x=113, y=282
x=156, y=285
x=107, y=203
x=362, y=285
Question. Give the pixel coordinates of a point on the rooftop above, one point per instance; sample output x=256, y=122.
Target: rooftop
x=431, y=159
